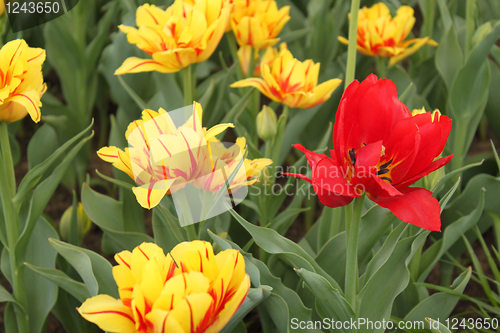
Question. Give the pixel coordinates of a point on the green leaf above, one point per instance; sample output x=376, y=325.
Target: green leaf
x=5, y=296
x=108, y=215
x=329, y=302
x=374, y=224
x=440, y=305
x=384, y=253
x=42, y=294
x=449, y=58
x=388, y=282
x=37, y=153
x=34, y=175
x=450, y=235
x=75, y=288
x=272, y=242
x=95, y=271
x=42, y=194
x=436, y=326
x=289, y=303
x=254, y=297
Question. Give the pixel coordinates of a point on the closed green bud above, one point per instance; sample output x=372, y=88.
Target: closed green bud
x=267, y=123
x=83, y=222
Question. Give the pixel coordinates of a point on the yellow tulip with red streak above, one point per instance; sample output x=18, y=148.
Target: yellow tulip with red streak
x=291, y=82
x=21, y=81
x=187, y=32
x=199, y=292
x=257, y=23
x=163, y=158
x=245, y=52
x=381, y=35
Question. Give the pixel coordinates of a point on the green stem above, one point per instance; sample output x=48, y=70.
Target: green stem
x=428, y=27
x=459, y=148
x=191, y=232
x=469, y=23
x=12, y=228
x=7, y=158
x=188, y=86
x=381, y=67
x=351, y=48
x=351, y=272
x=234, y=53
x=279, y=135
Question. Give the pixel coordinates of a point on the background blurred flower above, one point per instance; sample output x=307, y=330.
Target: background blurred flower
x=291, y=82
x=258, y=22
x=381, y=149
x=185, y=33
x=22, y=84
x=198, y=292
x=381, y=35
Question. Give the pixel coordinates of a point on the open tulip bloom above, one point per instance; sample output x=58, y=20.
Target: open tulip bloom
x=190, y=290
x=381, y=35
x=381, y=149
x=185, y=33
x=172, y=153
x=291, y=82
x=257, y=23
x=22, y=84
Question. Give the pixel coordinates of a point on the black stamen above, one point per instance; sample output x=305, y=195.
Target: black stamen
x=364, y=144
x=385, y=165
x=382, y=171
x=387, y=178
x=352, y=155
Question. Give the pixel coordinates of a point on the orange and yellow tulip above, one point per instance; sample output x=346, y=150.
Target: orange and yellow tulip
x=185, y=33
x=258, y=22
x=190, y=290
x=21, y=81
x=381, y=35
x=291, y=82
x=163, y=158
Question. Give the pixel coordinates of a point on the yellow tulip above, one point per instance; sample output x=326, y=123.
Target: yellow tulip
x=163, y=158
x=190, y=290
x=245, y=52
x=21, y=81
x=185, y=33
x=381, y=35
x=291, y=82
x=258, y=22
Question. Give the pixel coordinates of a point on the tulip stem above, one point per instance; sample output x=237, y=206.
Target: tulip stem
x=353, y=221
x=351, y=48
x=188, y=86
x=7, y=157
x=12, y=228
x=234, y=53
x=381, y=68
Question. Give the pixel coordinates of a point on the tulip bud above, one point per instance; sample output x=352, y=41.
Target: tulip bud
x=267, y=123
x=83, y=221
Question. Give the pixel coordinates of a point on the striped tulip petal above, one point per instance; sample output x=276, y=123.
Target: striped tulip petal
x=108, y=313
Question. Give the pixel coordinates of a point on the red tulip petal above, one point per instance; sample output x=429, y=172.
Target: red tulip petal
x=416, y=206
x=367, y=113
x=430, y=168
x=433, y=139
x=312, y=157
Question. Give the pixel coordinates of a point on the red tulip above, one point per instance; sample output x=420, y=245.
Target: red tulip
x=381, y=149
